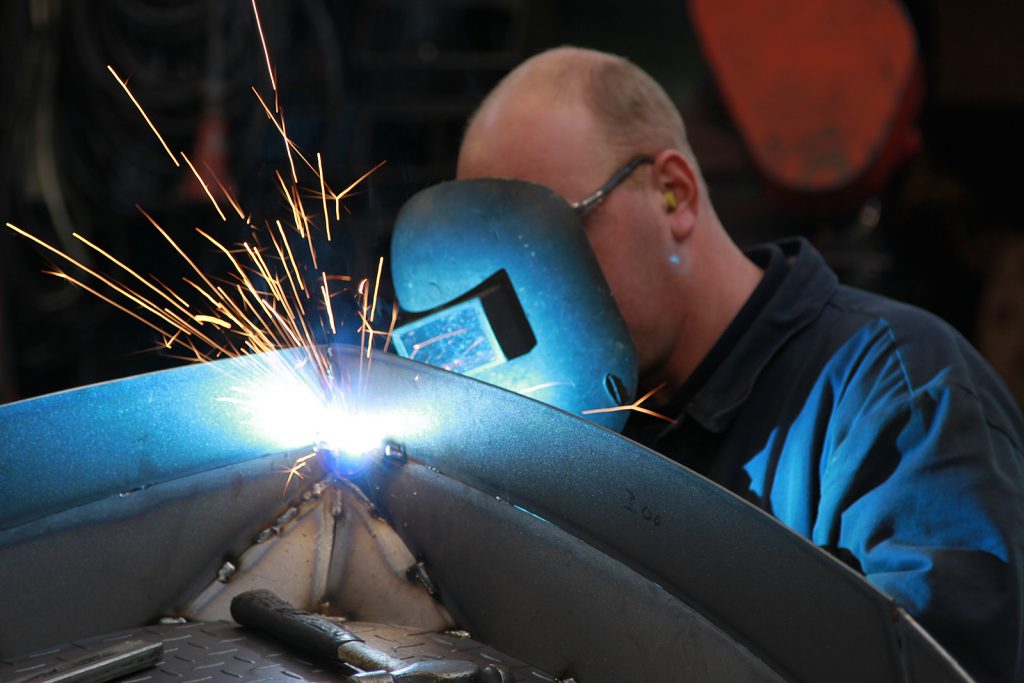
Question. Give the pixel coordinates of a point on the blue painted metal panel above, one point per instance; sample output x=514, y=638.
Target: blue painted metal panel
x=76, y=446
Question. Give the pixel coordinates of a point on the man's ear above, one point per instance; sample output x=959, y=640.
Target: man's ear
x=677, y=183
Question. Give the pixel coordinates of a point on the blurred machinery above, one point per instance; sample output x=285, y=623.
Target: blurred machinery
x=826, y=100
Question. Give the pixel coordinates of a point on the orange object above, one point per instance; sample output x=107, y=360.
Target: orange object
x=210, y=155
x=824, y=93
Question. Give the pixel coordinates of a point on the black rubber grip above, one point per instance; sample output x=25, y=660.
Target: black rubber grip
x=264, y=611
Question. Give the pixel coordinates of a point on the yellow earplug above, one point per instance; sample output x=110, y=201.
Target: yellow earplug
x=670, y=199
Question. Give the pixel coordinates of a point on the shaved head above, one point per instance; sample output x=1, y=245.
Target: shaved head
x=633, y=113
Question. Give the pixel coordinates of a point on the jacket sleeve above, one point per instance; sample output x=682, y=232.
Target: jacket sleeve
x=926, y=490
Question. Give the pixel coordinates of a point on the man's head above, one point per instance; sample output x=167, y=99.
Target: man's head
x=631, y=111
x=568, y=119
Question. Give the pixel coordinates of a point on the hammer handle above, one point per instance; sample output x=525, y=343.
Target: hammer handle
x=264, y=611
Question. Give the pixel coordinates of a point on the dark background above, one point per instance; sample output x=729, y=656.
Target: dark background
x=370, y=80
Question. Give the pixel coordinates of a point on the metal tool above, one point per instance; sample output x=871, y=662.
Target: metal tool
x=98, y=667
x=263, y=610
x=448, y=670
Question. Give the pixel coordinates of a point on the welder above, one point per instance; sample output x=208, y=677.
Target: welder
x=867, y=425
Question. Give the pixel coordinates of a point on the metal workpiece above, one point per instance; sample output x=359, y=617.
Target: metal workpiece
x=498, y=567
x=351, y=565
x=126, y=561
x=293, y=555
x=122, y=437
x=420, y=573
x=555, y=542
x=816, y=619
x=393, y=453
x=226, y=571
x=369, y=575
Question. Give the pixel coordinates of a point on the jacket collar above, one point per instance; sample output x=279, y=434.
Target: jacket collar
x=805, y=288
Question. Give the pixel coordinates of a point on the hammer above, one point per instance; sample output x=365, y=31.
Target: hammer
x=264, y=611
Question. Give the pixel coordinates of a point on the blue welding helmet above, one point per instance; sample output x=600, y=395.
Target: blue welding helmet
x=496, y=280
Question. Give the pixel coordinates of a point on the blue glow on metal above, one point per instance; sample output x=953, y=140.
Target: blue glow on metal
x=532, y=514
x=77, y=446
x=290, y=407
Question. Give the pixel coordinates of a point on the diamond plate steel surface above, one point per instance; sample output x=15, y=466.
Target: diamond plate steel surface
x=219, y=652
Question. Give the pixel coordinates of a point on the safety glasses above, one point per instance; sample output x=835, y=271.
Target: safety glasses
x=590, y=202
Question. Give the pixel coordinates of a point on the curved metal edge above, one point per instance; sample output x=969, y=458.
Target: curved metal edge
x=82, y=445
x=924, y=659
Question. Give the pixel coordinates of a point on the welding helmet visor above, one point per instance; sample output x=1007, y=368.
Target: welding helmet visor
x=496, y=280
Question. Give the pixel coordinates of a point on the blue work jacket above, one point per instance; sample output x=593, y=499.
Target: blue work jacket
x=874, y=429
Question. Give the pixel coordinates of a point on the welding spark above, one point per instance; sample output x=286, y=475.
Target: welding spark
x=213, y=321
x=206, y=188
x=336, y=198
x=231, y=200
x=636, y=406
x=323, y=195
x=391, y=327
x=289, y=407
x=376, y=288
x=296, y=469
x=263, y=42
x=327, y=303
x=159, y=137
x=459, y=360
x=288, y=385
